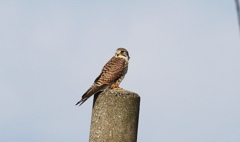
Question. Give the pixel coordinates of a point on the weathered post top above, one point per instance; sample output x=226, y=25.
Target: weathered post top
x=115, y=116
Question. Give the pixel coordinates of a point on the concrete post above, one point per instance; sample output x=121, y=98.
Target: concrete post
x=115, y=116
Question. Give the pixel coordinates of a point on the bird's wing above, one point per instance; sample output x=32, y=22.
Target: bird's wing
x=111, y=72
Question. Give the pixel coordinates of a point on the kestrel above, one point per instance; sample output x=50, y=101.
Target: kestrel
x=111, y=76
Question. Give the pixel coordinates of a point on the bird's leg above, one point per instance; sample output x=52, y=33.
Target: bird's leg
x=117, y=88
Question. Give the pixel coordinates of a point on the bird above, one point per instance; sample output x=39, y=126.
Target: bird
x=111, y=75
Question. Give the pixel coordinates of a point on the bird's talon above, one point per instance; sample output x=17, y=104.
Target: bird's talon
x=117, y=88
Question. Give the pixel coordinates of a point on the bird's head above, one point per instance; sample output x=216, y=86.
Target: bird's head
x=122, y=53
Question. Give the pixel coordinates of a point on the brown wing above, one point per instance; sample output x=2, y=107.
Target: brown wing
x=112, y=71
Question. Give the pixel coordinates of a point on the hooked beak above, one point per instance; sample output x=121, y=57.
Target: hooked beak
x=118, y=52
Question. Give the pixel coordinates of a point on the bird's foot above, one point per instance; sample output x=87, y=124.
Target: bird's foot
x=117, y=88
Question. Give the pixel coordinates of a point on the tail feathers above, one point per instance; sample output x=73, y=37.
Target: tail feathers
x=92, y=90
x=81, y=101
x=84, y=97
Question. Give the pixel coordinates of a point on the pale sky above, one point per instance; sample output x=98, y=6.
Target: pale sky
x=185, y=58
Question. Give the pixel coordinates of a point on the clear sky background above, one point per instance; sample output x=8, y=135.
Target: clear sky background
x=185, y=65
